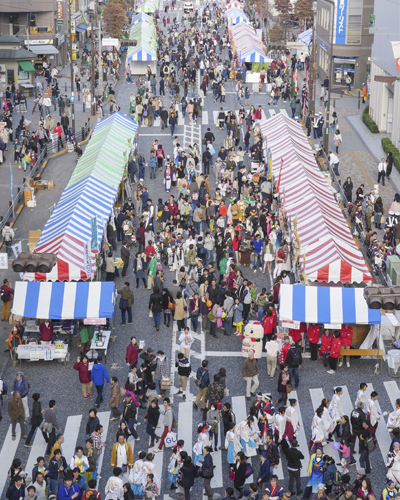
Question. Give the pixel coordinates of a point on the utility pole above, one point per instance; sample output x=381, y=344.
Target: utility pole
x=100, y=57
x=330, y=77
x=71, y=38
x=92, y=77
x=311, y=95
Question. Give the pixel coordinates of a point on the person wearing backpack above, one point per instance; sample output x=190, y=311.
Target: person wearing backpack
x=7, y=294
x=294, y=360
x=8, y=236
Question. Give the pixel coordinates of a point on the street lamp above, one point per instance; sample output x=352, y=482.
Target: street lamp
x=330, y=77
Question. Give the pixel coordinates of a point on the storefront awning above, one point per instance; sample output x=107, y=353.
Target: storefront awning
x=81, y=28
x=64, y=300
x=312, y=304
x=26, y=66
x=43, y=49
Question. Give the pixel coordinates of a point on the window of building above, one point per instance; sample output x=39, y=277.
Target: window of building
x=354, y=18
x=10, y=76
x=14, y=20
x=31, y=19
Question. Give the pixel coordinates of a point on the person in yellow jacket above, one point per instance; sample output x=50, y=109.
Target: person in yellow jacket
x=121, y=454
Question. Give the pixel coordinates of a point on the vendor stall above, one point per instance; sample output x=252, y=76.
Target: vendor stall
x=144, y=53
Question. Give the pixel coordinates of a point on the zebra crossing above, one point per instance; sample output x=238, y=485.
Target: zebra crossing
x=186, y=414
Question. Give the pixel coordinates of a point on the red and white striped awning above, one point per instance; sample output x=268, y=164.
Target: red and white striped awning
x=328, y=251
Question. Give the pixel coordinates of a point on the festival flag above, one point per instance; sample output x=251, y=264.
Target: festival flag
x=279, y=178
x=269, y=174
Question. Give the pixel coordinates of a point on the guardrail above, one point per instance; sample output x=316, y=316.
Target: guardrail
x=49, y=151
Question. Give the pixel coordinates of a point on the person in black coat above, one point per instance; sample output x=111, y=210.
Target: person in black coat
x=265, y=471
x=187, y=472
x=294, y=457
x=125, y=256
x=36, y=419
x=155, y=306
x=240, y=472
x=152, y=416
x=16, y=490
x=92, y=422
x=208, y=466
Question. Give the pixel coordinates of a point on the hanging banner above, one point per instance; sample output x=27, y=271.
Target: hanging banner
x=87, y=259
x=60, y=12
x=93, y=225
x=17, y=248
x=341, y=22
x=396, y=53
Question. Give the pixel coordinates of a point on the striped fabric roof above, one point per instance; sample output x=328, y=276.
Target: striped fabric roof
x=146, y=37
x=141, y=17
x=91, y=191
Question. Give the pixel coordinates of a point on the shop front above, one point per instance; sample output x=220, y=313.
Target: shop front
x=44, y=52
x=343, y=67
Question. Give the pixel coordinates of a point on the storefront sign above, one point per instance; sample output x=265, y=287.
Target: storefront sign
x=34, y=356
x=3, y=261
x=87, y=259
x=341, y=22
x=72, y=25
x=396, y=53
x=110, y=41
x=48, y=41
x=60, y=40
x=288, y=323
x=95, y=321
x=323, y=46
x=17, y=248
x=60, y=13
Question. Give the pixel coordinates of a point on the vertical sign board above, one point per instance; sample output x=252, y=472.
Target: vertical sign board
x=60, y=12
x=340, y=22
x=93, y=225
x=87, y=259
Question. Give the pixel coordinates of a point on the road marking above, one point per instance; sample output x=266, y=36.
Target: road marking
x=159, y=132
x=7, y=454
x=71, y=433
x=217, y=481
x=284, y=112
x=204, y=119
x=393, y=391
x=185, y=432
x=272, y=112
x=158, y=461
x=317, y=395
x=38, y=449
x=104, y=418
x=301, y=439
x=382, y=433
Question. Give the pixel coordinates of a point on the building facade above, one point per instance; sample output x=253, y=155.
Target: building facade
x=16, y=65
x=384, y=105
x=341, y=33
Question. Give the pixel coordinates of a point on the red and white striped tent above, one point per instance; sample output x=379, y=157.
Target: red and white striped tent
x=234, y=5
x=328, y=251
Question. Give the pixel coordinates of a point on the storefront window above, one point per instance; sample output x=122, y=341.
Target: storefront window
x=23, y=75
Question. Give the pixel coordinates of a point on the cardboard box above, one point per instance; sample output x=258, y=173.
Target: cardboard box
x=41, y=185
x=33, y=239
x=31, y=203
x=50, y=184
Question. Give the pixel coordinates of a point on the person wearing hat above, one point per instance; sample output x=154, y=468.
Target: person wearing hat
x=128, y=207
x=264, y=475
x=359, y=478
x=320, y=495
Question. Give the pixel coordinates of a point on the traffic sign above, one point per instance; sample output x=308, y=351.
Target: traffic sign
x=72, y=99
x=110, y=48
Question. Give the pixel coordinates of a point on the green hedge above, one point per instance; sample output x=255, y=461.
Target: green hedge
x=369, y=122
x=388, y=146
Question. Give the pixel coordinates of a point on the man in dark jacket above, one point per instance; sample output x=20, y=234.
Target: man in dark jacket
x=16, y=412
x=272, y=452
x=65, y=124
x=294, y=360
x=129, y=414
x=111, y=236
x=164, y=119
x=294, y=457
x=357, y=418
x=209, y=136
x=228, y=419
x=16, y=490
x=121, y=217
x=57, y=468
x=265, y=471
x=125, y=256
x=203, y=376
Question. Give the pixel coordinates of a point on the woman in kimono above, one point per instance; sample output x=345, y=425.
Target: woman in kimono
x=329, y=423
x=203, y=439
x=393, y=421
x=174, y=465
x=265, y=418
x=136, y=475
x=316, y=471
x=279, y=425
x=150, y=468
x=245, y=433
x=336, y=410
x=292, y=420
x=232, y=445
x=168, y=174
x=362, y=396
x=317, y=429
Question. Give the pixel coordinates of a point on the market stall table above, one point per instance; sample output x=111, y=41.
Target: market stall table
x=46, y=352
x=96, y=346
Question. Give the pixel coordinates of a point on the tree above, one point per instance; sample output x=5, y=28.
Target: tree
x=285, y=10
x=276, y=35
x=303, y=11
x=114, y=16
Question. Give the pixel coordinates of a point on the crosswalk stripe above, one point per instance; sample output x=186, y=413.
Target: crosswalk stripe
x=104, y=418
x=284, y=112
x=38, y=449
x=217, y=481
x=157, y=122
x=158, y=461
x=181, y=120
x=317, y=395
x=382, y=433
x=301, y=439
x=70, y=436
x=204, y=119
x=185, y=414
x=240, y=411
x=272, y=112
x=393, y=391
x=7, y=454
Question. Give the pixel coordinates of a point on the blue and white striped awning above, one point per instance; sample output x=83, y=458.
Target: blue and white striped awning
x=142, y=55
x=64, y=300
x=239, y=19
x=305, y=37
x=254, y=55
x=312, y=304
x=141, y=17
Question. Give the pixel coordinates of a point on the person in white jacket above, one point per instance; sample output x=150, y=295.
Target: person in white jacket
x=373, y=413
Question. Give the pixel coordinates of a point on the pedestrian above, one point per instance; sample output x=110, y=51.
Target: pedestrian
x=168, y=421
x=239, y=470
x=272, y=347
x=99, y=375
x=334, y=162
x=250, y=374
x=187, y=472
x=202, y=381
x=184, y=370
x=36, y=420
x=155, y=307
x=125, y=256
x=8, y=236
x=382, y=171
x=207, y=471
x=82, y=365
x=364, y=450
x=152, y=417
x=284, y=384
x=22, y=387
x=337, y=140
x=126, y=302
x=348, y=189
x=16, y=413
x=180, y=311
x=115, y=398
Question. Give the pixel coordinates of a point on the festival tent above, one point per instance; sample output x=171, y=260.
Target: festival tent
x=58, y=301
x=147, y=7
x=141, y=17
x=235, y=5
x=90, y=193
x=327, y=251
x=305, y=37
x=144, y=53
x=238, y=19
x=234, y=12
x=312, y=304
x=254, y=55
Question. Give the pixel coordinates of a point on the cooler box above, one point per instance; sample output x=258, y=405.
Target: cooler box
x=392, y=262
x=395, y=276
x=393, y=359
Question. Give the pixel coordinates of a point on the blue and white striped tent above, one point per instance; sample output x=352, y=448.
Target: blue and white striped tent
x=312, y=304
x=142, y=54
x=305, y=37
x=254, y=55
x=234, y=12
x=239, y=19
x=58, y=301
x=141, y=17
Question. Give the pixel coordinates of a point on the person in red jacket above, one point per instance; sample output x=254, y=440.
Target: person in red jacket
x=285, y=348
x=268, y=327
x=326, y=344
x=132, y=352
x=346, y=336
x=297, y=335
x=46, y=331
x=274, y=315
x=313, y=333
x=85, y=375
x=58, y=131
x=335, y=352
